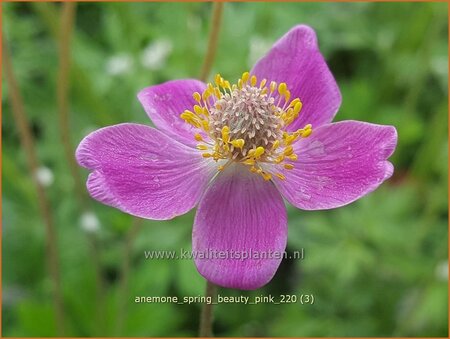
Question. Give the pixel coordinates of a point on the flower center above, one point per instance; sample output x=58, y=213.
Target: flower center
x=246, y=123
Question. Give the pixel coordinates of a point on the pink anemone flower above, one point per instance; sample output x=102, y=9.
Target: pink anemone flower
x=235, y=151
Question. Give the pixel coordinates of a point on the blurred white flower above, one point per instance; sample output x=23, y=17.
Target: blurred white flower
x=258, y=47
x=441, y=270
x=89, y=222
x=119, y=64
x=155, y=54
x=44, y=176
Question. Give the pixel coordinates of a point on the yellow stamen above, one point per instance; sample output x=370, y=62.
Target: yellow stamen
x=258, y=138
x=282, y=88
x=239, y=143
x=205, y=125
x=306, y=133
x=276, y=144
x=245, y=77
x=249, y=162
x=281, y=176
x=262, y=83
x=273, y=86
x=197, y=97
x=198, y=109
x=266, y=176
x=226, y=134
x=259, y=151
x=288, y=151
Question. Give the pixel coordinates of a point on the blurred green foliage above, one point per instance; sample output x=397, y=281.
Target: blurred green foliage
x=377, y=267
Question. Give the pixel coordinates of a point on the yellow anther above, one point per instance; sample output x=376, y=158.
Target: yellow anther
x=282, y=88
x=206, y=94
x=205, y=125
x=273, y=86
x=188, y=116
x=306, y=133
x=279, y=159
x=287, y=95
x=262, y=83
x=294, y=102
x=198, y=109
x=245, y=77
x=218, y=79
x=225, y=134
x=266, y=176
x=297, y=107
x=281, y=176
x=288, y=151
x=239, y=143
x=276, y=144
x=290, y=139
x=217, y=93
x=249, y=162
x=197, y=97
x=259, y=151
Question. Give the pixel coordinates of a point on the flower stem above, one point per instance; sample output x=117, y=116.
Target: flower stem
x=28, y=144
x=65, y=33
x=66, y=26
x=124, y=292
x=206, y=317
x=216, y=19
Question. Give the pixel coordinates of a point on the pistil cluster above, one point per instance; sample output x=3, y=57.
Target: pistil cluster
x=246, y=123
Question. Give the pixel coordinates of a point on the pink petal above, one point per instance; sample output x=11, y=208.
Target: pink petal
x=165, y=102
x=296, y=60
x=143, y=172
x=239, y=213
x=339, y=163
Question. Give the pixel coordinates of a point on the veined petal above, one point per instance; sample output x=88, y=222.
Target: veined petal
x=165, y=102
x=296, y=60
x=143, y=172
x=239, y=213
x=338, y=164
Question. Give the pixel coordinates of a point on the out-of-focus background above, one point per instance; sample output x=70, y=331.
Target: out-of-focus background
x=377, y=267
